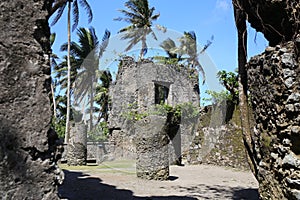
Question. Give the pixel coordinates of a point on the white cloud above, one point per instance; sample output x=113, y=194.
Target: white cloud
x=223, y=5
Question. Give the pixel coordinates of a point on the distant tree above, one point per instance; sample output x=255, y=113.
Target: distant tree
x=59, y=7
x=102, y=95
x=140, y=16
x=230, y=81
x=187, y=51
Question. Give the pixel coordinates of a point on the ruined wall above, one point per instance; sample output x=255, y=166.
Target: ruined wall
x=27, y=158
x=135, y=88
x=218, y=144
x=274, y=81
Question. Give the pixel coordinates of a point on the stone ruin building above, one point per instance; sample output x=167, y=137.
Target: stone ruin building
x=140, y=86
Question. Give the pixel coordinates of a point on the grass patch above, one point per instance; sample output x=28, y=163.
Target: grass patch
x=122, y=166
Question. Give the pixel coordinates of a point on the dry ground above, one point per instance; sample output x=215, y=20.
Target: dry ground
x=117, y=181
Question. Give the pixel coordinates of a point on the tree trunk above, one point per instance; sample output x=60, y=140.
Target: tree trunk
x=67, y=132
x=53, y=100
x=240, y=21
x=27, y=148
x=91, y=106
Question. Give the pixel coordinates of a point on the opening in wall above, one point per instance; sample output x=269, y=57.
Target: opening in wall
x=161, y=94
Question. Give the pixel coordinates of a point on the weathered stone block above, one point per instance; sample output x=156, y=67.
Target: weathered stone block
x=152, y=148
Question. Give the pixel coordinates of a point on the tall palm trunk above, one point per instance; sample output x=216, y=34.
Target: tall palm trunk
x=91, y=106
x=143, y=47
x=240, y=20
x=67, y=133
x=53, y=100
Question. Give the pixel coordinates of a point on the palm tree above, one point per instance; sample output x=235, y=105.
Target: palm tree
x=53, y=63
x=140, y=16
x=102, y=95
x=188, y=46
x=59, y=6
x=86, y=56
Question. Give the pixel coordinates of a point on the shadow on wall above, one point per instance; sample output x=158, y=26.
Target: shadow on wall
x=11, y=156
x=77, y=187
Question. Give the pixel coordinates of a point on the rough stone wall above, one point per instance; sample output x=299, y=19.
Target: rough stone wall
x=274, y=84
x=152, y=148
x=278, y=20
x=135, y=86
x=218, y=144
x=27, y=148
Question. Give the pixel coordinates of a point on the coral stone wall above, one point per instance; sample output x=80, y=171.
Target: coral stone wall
x=274, y=84
x=27, y=146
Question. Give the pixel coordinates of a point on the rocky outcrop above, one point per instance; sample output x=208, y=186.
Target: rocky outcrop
x=27, y=148
x=278, y=20
x=274, y=84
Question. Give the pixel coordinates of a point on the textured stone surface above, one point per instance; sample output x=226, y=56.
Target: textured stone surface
x=152, y=148
x=77, y=147
x=274, y=79
x=278, y=20
x=218, y=144
x=135, y=87
x=27, y=148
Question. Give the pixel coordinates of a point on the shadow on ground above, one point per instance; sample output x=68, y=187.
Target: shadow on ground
x=203, y=191
x=78, y=186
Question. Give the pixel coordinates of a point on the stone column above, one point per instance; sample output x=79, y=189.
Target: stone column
x=152, y=148
x=77, y=147
x=27, y=146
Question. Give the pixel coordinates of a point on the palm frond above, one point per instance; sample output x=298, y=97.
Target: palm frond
x=104, y=44
x=75, y=12
x=88, y=9
x=60, y=11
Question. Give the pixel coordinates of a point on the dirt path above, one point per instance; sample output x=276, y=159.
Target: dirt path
x=187, y=183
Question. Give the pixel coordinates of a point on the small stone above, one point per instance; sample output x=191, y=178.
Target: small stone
x=289, y=82
x=290, y=108
x=294, y=97
x=270, y=49
x=291, y=160
x=283, y=50
x=296, y=193
x=288, y=60
x=286, y=141
x=295, y=129
x=288, y=73
x=274, y=155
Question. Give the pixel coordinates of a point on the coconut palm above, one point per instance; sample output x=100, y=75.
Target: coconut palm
x=59, y=7
x=87, y=56
x=188, y=46
x=140, y=16
x=102, y=95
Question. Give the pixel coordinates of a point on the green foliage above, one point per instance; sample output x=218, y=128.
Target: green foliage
x=59, y=126
x=185, y=110
x=217, y=97
x=230, y=81
x=99, y=133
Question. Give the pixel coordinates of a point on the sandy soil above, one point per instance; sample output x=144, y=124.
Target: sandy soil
x=186, y=183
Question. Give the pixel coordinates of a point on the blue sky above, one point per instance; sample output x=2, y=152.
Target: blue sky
x=205, y=17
